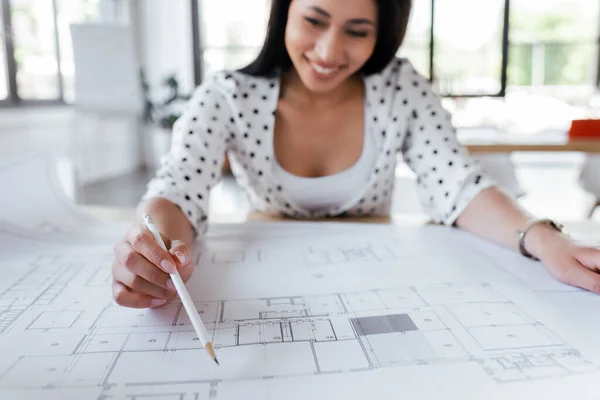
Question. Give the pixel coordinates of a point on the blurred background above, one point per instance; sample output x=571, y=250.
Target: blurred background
x=100, y=83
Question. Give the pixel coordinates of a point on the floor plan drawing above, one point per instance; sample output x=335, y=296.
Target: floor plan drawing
x=61, y=335
x=316, y=255
x=128, y=353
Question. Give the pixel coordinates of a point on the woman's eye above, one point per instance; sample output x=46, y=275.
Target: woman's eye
x=314, y=21
x=358, y=33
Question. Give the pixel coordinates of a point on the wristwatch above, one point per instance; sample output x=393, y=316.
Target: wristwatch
x=522, y=233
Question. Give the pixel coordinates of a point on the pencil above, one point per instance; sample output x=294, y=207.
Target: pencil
x=188, y=304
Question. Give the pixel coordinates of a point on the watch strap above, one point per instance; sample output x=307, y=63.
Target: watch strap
x=523, y=233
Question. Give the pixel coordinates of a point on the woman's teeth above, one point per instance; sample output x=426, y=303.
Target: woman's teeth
x=323, y=70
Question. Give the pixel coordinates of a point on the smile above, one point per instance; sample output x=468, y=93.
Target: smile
x=323, y=70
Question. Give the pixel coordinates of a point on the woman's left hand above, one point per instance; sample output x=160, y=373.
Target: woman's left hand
x=572, y=263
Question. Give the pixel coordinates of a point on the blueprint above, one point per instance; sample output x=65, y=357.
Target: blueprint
x=295, y=311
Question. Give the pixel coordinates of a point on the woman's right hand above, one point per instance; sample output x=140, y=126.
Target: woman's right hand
x=141, y=269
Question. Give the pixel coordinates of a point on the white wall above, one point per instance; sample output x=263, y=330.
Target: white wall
x=103, y=144
x=164, y=32
x=112, y=10
x=105, y=147
x=108, y=147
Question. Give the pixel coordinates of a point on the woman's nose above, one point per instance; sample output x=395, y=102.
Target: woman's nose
x=330, y=48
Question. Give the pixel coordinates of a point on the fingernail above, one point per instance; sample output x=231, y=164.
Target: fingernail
x=167, y=266
x=157, y=302
x=171, y=285
x=180, y=256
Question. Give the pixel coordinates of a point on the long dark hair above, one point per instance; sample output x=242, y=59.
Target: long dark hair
x=393, y=19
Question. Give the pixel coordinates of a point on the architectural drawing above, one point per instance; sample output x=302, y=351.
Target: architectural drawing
x=64, y=343
x=296, y=311
x=316, y=256
x=286, y=316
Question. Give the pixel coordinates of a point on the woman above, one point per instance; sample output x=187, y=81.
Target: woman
x=312, y=128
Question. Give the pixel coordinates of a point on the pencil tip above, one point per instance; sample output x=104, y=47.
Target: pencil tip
x=211, y=351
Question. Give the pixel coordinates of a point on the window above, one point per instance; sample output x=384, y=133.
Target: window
x=41, y=48
x=554, y=43
x=468, y=47
x=416, y=46
x=232, y=32
x=551, y=72
x=35, y=49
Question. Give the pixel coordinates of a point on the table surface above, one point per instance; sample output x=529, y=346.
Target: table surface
x=491, y=140
x=585, y=146
x=588, y=229
x=119, y=214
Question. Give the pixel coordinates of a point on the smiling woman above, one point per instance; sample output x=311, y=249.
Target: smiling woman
x=314, y=128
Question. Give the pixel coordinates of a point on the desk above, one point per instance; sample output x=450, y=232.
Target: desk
x=590, y=230
x=585, y=146
x=117, y=214
x=493, y=141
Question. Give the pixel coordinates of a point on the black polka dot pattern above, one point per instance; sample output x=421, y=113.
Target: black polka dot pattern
x=235, y=113
x=434, y=153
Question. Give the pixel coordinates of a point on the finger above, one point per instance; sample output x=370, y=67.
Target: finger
x=142, y=241
x=137, y=228
x=139, y=265
x=580, y=276
x=128, y=298
x=183, y=255
x=589, y=257
x=139, y=284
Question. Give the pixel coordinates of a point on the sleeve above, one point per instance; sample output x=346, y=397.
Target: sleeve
x=448, y=178
x=194, y=163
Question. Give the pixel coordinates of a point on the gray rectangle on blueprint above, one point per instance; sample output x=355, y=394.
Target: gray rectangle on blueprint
x=383, y=324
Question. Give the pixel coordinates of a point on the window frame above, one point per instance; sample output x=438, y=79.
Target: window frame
x=13, y=99
x=503, y=78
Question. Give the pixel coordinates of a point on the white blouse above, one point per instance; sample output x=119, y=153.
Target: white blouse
x=323, y=193
x=234, y=113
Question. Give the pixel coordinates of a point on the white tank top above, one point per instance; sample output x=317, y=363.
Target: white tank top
x=323, y=193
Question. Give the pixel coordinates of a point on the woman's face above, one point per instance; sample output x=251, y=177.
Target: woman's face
x=330, y=40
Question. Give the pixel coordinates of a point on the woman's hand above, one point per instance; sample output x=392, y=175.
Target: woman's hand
x=141, y=269
x=568, y=261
